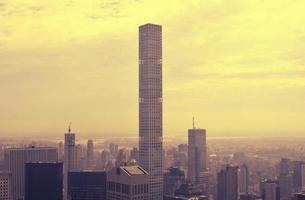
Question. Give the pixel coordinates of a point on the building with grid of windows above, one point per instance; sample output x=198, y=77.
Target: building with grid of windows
x=15, y=160
x=150, y=106
x=5, y=185
x=127, y=183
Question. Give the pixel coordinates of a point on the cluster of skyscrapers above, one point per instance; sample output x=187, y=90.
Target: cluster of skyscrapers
x=67, y=173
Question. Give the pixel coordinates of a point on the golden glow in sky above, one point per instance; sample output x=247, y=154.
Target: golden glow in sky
x=238, y=66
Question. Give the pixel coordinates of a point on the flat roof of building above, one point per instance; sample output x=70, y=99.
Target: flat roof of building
x=134, y=170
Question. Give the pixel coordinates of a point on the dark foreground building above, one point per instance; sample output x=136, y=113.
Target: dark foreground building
x=43, y=181
x=87, y=185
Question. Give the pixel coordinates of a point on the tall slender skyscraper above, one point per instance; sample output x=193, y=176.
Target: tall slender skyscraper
x=150, y=106
x=70, y=158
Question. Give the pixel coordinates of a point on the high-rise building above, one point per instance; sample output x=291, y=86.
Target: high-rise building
x=303, y=176
x=15, y=159
x=43, y=181
x=243, y=179
x=103, y=160
x=128, y=183
x=297, y=176
x=270, y=190
x=197, y=155
x=87, y=185
x=150, y=106
x=173, y=179
x=70, y=158
x=114, y=149
x=5, y=185
x=227, y=183
x=121, y=158
x=285, y=184
x=60, y=151
x=284, y=166
x=134, y=155
x=90, y=155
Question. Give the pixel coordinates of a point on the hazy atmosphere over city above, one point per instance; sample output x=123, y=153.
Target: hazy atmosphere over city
x=238, y=66
x=152, y=100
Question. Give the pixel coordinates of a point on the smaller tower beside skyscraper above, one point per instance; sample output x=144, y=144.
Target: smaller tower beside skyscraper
x=70, y=158
x=227, y=183
x=90, y=155
x=197, y=155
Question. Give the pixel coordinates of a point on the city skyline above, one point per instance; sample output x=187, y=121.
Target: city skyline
x=238, y=65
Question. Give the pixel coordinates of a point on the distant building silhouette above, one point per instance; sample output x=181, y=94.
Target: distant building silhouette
x=285, y=184
x=297, y=175
x=90, y=156
x=87, y=185
x=227, y=183
x=43, y=181
x=114, y=149
x=270, y=190
x=197, y=155
x=173, y=179
x=243, y=179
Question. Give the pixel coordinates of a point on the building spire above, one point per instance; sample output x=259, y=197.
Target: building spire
x=194, y=123
x=69, y=130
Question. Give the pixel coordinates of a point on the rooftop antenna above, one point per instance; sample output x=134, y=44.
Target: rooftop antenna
x=69, y=130
x=193, y=122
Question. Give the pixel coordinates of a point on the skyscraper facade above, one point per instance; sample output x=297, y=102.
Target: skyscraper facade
x=70, y=158
x=150, y=106
x=227, y=184
x=15, y=159
x=43, y=181
x=197, y=155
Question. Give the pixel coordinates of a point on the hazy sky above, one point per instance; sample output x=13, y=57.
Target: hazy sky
x=238, y=66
